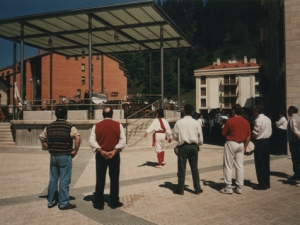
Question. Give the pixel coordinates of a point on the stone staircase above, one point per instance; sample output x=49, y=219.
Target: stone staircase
x=136, y=139
x=6, y=138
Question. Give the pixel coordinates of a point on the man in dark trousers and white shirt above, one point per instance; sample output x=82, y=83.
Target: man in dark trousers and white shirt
x=261, y=134
x=188, y=132
x=107, y=140
x=293, y=130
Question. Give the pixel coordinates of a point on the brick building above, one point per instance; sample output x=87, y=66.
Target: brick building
x=70, y=77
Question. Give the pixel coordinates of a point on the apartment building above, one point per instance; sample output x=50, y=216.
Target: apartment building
x=225, y=83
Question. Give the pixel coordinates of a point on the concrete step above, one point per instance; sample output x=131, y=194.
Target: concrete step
x=7, y=143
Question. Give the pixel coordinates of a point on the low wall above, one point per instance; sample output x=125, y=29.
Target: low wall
x=50, y=115
x=118, y=114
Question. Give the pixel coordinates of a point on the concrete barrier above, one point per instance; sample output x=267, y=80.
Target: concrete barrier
x=118, y=114
x=50, y=115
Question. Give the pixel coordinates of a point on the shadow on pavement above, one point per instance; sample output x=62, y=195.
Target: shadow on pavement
x=213, y=185
x=148, y=163
x=171, y=186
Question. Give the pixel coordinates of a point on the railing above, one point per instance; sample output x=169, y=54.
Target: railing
x=146, y=112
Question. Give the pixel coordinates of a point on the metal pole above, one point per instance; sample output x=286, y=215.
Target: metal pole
x=178, y=72
x=150, y=71
x=14, y=78
x=102, y=71
x=51, y=58
x=90, y=68
x=162, y=62
x=22, y=62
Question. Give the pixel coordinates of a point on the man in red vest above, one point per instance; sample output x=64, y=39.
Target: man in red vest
x=162, y=132
x=107, y=140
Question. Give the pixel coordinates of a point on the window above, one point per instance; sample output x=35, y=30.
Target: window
x=2, y=74
x=82, y=67
x=76, y=57
x=92, y=80
x=232, y=79
x=83, y=80
x=97, y=57
x=7, y=72
x=203, y=91
x=256, y=77
x=203, y=80
x=79, y=92
x=203, y=102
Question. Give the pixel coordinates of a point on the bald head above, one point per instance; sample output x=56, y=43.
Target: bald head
x=107, y=112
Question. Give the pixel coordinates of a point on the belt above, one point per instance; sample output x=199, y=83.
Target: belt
x=185, y=143
x=154, y=138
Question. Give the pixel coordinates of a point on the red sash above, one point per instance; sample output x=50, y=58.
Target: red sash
x=160, y=131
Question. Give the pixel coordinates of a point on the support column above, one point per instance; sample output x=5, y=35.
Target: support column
x=14, y=79
x=178, y=71
x=90, y=68
x=22, y=62
x=162, y=63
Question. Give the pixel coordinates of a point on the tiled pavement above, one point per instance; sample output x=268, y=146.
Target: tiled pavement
x=145, y=191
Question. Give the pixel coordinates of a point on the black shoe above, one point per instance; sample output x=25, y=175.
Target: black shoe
x=259, y=188
x=178, y=192
x=114, y=206
x=69, y=206
x=99, y=207
x=51, y=206
x=198, y=192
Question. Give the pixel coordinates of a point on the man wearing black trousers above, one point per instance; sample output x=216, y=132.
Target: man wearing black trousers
x=293, y=130
x=107, y=140
x=261, y=133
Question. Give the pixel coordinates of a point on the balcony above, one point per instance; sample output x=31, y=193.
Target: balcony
x=230, y=82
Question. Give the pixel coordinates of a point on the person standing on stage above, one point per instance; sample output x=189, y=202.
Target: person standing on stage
x=261, y=134
x=57, y=138
x=162, y=132
x=107, y=140
x=188, y=133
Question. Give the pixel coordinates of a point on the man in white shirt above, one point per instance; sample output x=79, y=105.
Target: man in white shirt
x=261, y=133
x=107, y=140
x=293, y=130
x=281, y=124
x=188, y=133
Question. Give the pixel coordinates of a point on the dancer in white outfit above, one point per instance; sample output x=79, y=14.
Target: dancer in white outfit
x=162, y=132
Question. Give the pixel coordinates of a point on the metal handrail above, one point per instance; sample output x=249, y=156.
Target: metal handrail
x=134, y=114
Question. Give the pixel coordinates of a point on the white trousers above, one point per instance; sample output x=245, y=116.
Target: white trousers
x=160, y=142
x=233, y=155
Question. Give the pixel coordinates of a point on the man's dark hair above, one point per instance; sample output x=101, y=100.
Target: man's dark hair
x=160, y=113
x=293, y=109
x=237, y=109
x=108, y=113
x=259, y=109
x=188, y=109
x=61, y=112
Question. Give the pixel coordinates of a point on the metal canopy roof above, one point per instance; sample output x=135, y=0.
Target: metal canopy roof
x=115, y=29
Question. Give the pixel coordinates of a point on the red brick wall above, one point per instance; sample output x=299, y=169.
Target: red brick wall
x=66, y=77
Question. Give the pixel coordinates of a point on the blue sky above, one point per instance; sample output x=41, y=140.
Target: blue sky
x=15, y=8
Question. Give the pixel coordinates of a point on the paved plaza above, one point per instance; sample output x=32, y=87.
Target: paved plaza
x=145, y=191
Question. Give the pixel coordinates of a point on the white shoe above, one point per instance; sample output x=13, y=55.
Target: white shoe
x=226, y=190
x=158, y=166
x=163, y=163
x=238, y=190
